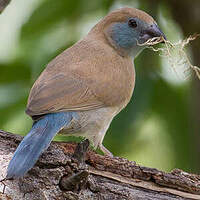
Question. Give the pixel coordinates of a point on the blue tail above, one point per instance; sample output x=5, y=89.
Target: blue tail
x=35, y=142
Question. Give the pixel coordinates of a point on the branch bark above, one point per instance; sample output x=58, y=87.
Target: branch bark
x=59, y=174
x=3, y=4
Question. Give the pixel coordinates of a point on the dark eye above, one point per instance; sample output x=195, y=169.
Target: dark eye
x=132, y=23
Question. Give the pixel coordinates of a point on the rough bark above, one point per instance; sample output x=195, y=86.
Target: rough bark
x=3, y=4
x=61, y=174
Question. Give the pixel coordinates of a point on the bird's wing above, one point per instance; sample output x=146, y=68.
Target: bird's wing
x=84, y=77
x=60, y=92
x=66, y=83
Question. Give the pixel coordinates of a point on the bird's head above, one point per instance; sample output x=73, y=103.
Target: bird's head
x=127, y=28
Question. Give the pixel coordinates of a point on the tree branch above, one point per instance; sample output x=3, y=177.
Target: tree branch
x=59, y=175
x=3, y=4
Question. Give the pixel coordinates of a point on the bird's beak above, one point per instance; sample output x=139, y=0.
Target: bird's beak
x=152, y=31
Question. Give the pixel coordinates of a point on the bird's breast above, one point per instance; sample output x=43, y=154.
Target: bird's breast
x=116, y=83
x=108, y=75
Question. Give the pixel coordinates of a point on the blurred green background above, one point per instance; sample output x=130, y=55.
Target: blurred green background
x=161, y=125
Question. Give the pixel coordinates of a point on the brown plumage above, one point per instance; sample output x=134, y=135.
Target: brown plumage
x=89, y=75
x=121, y=15
x=78, y=79
x=86, y=86
x=94, y=77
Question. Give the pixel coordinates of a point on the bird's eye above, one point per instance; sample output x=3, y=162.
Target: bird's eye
x=132, y=23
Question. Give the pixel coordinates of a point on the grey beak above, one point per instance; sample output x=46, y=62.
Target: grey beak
x=155, y=31
x=152, y=31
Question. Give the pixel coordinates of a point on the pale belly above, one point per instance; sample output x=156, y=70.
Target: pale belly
x=91, y=124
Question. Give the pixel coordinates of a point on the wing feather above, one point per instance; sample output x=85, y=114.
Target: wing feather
x=61, y=93
x=87, y=76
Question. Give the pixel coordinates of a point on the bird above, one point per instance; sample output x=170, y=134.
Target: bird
x=82, y=89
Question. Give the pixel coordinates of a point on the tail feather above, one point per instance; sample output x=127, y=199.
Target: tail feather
x=35, y=142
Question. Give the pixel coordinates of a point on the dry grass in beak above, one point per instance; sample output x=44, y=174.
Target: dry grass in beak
x=175, y=53
x=152, y=41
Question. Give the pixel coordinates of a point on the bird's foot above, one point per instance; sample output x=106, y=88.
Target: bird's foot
x=105, y=151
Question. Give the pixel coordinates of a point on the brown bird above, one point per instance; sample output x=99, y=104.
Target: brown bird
x=86, y=86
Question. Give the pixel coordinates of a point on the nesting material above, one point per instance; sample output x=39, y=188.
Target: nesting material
x=175, y=53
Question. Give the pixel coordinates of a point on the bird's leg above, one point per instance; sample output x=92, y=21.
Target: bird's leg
x=80, y=174
x=80, y=151
x=105, y=151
